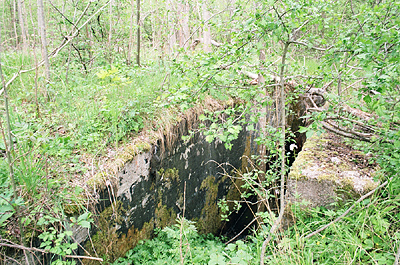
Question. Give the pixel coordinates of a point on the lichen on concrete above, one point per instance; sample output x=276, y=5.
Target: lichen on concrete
x=210, y=220
x=328, y=168
x=108, y=242
x=168, y=176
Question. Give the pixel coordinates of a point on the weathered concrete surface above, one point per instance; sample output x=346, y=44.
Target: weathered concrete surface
x=148, y=191
x=328, y=169
x=151, y=181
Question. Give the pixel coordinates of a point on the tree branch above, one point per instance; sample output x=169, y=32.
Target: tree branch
x=32, y=249
x=66, y=40
x=313, y=47
x=396, y=262
x=278, y=221
x=348, y=210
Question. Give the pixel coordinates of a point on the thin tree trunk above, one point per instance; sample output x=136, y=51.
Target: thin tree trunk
x=138, y=32
x=183, y=32
x=185, y=24
x=130, y=42
x=206, y=30
x=153, y=28
x=180, y=24
x=231, y=4
x=14, y=11
x=36, y=82
x=110, y=14
x=21, y=16
x=42, y=31
x=171, y=28
x=281, y=107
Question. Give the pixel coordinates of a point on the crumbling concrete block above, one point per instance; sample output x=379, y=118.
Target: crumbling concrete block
x=328, y=169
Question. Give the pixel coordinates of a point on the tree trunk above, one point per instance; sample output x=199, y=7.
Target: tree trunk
x=110, y=14
x=206, y=30
x=183, y=33
x=14, y=12
x=171, y=28
x=231, y=4
x=21, y=17
x=180, y=24
x=185, y=24
x=138, y=32
x=42, y=31
x=280, y=109
x=130, y=42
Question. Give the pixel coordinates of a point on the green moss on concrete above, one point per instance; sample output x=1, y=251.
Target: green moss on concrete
x=130, y=151
x=328, y=177
x=108, y=242
x=126, y=154
x=210, y=220
x=105, y=239
x=169, y=176
x=164, y=216
x=326, y=158
x=97, y=181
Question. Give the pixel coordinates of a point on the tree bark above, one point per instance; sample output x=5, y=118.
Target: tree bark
x=206, y=30
x=171, y=28
x=138, y=32
x=130, y=42
x=42, y=31
x=185, y=24
x=14, y=11
x=183, y=32
x=21, y=16
x=281, y=107
x=110, y=23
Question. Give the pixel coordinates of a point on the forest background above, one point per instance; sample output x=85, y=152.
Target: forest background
x=80, y=78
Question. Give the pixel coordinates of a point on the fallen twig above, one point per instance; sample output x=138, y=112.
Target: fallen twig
x=348, y=210
x=32, y=249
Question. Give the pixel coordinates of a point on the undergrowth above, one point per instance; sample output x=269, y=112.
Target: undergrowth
x=368, y=235
x=181, y=244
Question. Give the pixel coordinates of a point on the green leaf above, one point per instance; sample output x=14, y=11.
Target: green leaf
x=231, y=247
x=6, y=208
x=367, y=99
x=309, y=133
x=85, y=224
x=83, y=216
x=303, y=129
x=4, y=218
x=369, y=243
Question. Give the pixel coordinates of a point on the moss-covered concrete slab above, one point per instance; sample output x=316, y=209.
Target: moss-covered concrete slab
x=327, y=169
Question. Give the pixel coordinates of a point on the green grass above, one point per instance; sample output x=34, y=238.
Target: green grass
x=91, y=110
x=86, y=117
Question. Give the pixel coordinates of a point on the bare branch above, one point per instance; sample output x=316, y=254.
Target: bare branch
x=396, y=262
x=66, y=40
x=13, y=245
x=348, y=210
x=312, y=47
x=347, y=134
x=194, y=32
